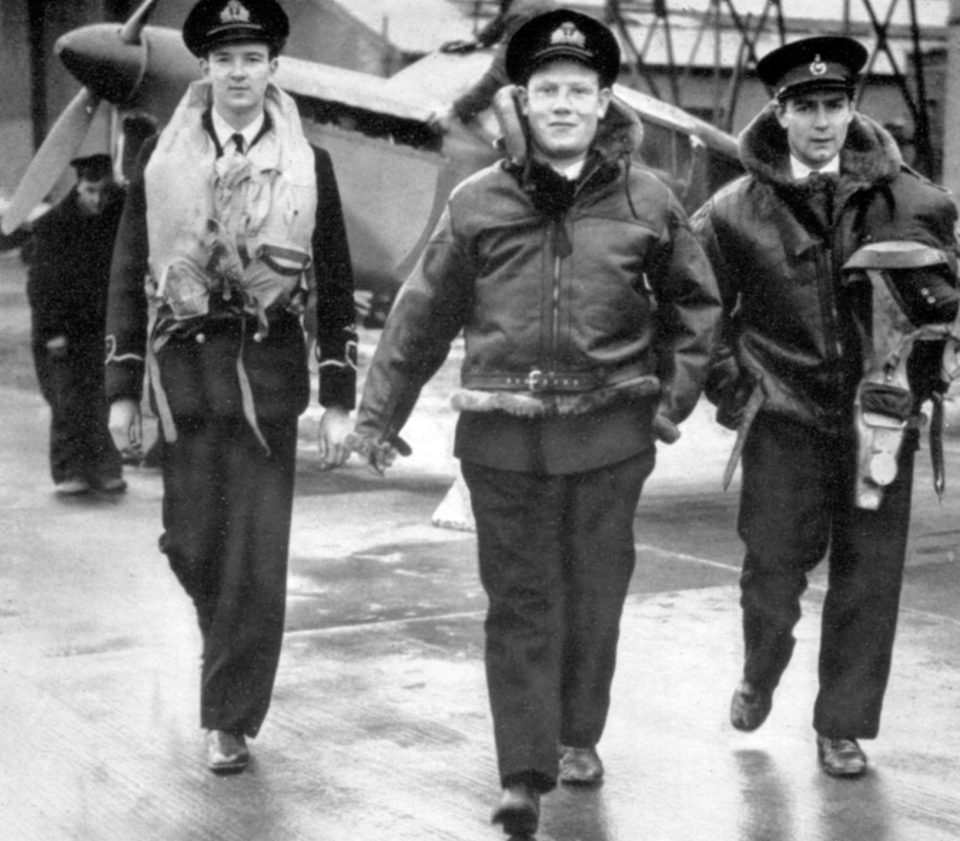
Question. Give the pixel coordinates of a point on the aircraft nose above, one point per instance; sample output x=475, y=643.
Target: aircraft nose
x=99, y=58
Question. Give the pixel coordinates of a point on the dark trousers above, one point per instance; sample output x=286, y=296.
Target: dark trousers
x=556, y=555
x=226, y=514
x=796, y=502
x=72, y=384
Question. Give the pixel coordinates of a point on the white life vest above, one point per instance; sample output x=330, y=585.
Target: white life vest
x=235, y=224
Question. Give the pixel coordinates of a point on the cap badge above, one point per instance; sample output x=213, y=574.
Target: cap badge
x=567, y=33
x=235, y=12
x=818, y=67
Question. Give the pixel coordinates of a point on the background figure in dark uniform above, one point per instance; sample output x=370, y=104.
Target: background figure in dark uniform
x=588, y=311
x=67, y=286
x=513, y=14
x=231, y=214
x=822, y=182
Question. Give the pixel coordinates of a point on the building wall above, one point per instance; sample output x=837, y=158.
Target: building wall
x=15, y=128
x=16, y=116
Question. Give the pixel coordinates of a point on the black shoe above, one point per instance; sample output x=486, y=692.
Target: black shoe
x=519, y=810
x=749, y=706
x=113, y=485
x=580, y=766
x=226, y=752
x=72, y=486
x=841, y=757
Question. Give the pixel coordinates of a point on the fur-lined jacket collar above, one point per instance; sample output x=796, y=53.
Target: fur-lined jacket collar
x=619, y=134
x=869, y=156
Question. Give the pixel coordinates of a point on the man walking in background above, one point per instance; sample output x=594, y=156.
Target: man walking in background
x=67, y=286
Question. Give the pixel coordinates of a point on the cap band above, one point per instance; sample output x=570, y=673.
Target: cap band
x=816, y=73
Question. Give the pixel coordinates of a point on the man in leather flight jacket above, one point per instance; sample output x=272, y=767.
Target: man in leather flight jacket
x=822, y=182
x=589, y=313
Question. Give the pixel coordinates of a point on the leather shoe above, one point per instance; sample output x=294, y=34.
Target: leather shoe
x=226, y=752
x=74, y=486
x=519, y=810
x=749, y=706
x=111, y=485
x=580, y=766
x=841, y=757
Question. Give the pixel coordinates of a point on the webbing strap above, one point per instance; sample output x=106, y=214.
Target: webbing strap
x=246, y=392
x=153, y=381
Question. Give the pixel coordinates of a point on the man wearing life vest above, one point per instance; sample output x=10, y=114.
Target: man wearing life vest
x=233, y=217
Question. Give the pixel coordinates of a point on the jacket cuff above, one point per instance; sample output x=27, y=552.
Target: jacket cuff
x=338, y=384
x=123, y=379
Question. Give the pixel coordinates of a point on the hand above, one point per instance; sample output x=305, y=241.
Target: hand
x=441, y=120
x=731, y=406
x=335, y=426
x=461, y=46
x=379, y=454
x=57, y=346
x=126, y=427
x=665, y=430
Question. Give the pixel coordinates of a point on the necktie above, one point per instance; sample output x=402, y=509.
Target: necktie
x=821, y=187
x=237, y=139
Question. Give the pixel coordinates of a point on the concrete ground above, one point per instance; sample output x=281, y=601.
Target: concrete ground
x=380, y=727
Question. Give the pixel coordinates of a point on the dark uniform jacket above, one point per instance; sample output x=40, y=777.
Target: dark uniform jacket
x=584, y=306
x=790, y=324
x=69, y=274
x=198, y=368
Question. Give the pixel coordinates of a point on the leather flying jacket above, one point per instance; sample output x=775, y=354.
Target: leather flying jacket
x=569, y=297
x=790, y=341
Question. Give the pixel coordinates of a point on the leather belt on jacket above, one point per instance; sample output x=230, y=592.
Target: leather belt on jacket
x=540, y=382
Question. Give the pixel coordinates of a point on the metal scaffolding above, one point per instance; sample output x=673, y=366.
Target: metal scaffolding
x=722, y=17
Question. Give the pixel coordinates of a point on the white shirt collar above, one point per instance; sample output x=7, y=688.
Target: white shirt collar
x=800, y=170
x=572, y=171
x=224, y=130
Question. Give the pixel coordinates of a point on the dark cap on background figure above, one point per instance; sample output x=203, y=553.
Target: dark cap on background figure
x=563, y=34
x=216, y=23
x=93, y=167
x=820, y=63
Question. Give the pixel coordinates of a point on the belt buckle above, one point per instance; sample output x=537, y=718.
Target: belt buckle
x=536, y=380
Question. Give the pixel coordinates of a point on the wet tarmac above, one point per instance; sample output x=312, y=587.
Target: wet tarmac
x=379, y=727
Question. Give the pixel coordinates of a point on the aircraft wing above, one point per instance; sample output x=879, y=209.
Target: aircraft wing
x=353, y=89
x=671, y=117
x=441, y=77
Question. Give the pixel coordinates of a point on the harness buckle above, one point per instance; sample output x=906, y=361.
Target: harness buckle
x=536, y=380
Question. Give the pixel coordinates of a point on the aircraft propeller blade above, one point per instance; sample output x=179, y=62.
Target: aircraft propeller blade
x=130, y=34
x=52, y=158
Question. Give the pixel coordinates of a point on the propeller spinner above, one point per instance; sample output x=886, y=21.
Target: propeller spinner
x=109, y=61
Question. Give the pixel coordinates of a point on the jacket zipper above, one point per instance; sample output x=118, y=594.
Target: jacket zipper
x=832, y=257
x=557, y=260
x=555, y=306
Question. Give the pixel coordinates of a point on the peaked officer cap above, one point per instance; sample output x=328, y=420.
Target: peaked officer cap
x=93, y=167
x=819, y=63
x=563, y=34
x=214, y=23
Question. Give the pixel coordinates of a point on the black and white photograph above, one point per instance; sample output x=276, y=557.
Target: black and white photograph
x=453, y=420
